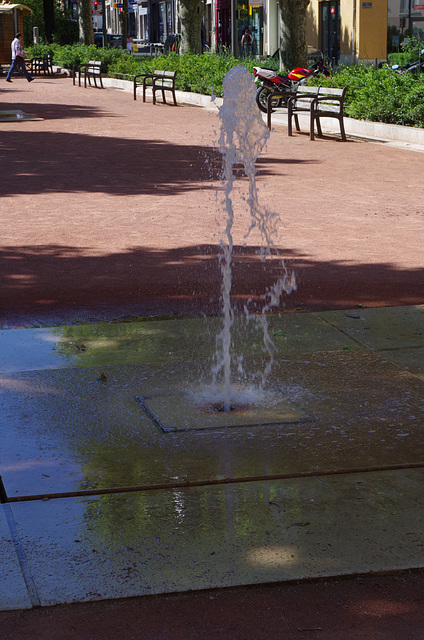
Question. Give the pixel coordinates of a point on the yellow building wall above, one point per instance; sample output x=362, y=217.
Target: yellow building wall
x=368, y=34
x=372, y=30
x=312, y=24
x=347, y=31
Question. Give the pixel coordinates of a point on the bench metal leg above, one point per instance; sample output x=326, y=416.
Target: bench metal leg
x=342, y=129
x=312, y=124
x=269, y=110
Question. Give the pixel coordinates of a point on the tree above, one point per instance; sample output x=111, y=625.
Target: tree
x=293, y=45
x=191, y=13
x=49, y=11
x=124, y=23
x=85, y=22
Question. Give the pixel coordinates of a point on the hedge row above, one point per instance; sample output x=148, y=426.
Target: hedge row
x=379, y=95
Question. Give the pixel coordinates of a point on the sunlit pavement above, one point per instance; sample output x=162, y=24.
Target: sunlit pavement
x=116, y=483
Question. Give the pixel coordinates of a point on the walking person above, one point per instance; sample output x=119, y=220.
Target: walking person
x=18, y=59
x=246, y=42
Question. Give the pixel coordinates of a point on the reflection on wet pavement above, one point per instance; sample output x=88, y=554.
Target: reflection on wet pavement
x=107, y=408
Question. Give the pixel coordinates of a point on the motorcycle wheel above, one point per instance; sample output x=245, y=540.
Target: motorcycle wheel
x=262, y=100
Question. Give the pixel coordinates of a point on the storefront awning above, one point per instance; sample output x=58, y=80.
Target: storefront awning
x=8, y=8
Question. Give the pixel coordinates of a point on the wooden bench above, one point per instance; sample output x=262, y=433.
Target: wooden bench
x=44, y=63
x=328, y=104
x=300, y=103
x=90, y=70
x=159, y=80
x=319, y=102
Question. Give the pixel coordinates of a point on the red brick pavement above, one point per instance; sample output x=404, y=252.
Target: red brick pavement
x=110, y=207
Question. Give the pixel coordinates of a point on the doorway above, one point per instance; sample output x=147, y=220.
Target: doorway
x=330, y=30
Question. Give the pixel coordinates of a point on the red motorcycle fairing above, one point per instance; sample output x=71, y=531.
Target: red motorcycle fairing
x=270, y=76
x=299, y=73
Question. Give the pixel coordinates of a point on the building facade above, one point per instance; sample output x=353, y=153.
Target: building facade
x=347, y=31
x=404, y=17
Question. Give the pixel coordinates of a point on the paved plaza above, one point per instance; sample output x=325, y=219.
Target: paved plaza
x=116, y=481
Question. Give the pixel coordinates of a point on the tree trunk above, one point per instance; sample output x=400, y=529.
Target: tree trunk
x=293, y=45
x=124, y=23
x=48, y=10
x=85, y=22
x=191, y=26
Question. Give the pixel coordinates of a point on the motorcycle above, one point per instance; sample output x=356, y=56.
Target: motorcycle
x=412, y=66
x=269, y=82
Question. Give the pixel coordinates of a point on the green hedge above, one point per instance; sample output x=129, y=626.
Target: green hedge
x=379, y=95
x=71, y=55
x=401, y=58
x=199, y=74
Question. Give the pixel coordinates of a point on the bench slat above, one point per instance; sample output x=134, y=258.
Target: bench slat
x=160, y=80
x=329, y=104
x=91, y=69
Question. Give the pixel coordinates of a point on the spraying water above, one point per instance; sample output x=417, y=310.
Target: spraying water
x=243, y=136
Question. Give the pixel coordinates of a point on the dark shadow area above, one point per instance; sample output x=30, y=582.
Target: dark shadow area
x=45, y=281
x=57, y=111
x=54, y=162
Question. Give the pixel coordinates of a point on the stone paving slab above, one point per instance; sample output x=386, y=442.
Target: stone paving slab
x=82, y=428
x=105, y=344
x=381, y=329
x=122, y=545
x=397, y=333
x=13, y=591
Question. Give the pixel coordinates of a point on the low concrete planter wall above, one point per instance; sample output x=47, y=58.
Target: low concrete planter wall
x=360, y=128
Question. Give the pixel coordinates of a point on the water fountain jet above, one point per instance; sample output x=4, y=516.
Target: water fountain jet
x=243, y=137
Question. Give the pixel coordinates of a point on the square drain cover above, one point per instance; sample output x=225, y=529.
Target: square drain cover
x=179, y=412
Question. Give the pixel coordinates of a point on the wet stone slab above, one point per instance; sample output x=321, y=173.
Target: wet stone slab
x=383, y=328
x=101, y=345
x=67, y=430
x=122, y=545
x=180, y=412
x=13, y=591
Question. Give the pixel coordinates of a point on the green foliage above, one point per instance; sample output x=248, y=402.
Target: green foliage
x=412, y=45
x=199, y=74
x=402, y=58
x=40, y=50
x=35, y=19
x=351, y=77
x=76, y=54
x=65, y=32
x=379, y=95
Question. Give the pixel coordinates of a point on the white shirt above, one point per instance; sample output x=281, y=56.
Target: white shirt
x=17, y=48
